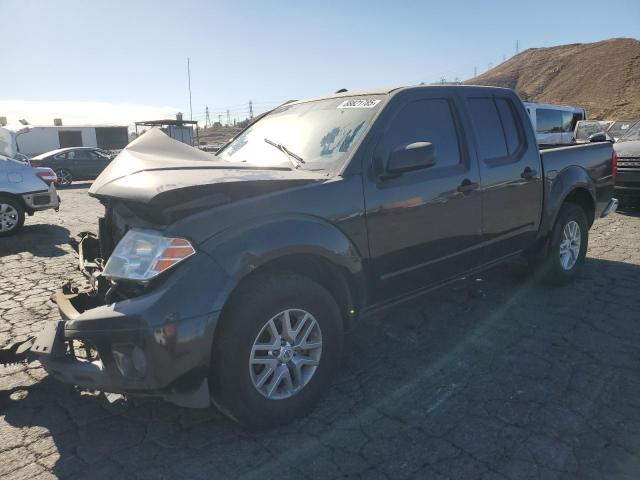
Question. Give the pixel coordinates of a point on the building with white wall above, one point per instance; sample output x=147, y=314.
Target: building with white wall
x=41, y=139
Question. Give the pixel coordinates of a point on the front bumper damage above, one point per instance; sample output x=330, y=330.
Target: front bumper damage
x=152, y=344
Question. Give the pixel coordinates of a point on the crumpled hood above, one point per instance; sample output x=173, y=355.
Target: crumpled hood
x=627, y=149
x=158, y=171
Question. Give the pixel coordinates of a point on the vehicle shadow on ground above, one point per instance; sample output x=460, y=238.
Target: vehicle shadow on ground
x=473, y=358
x=41, y=240
x=76, y=185
x=630, y=209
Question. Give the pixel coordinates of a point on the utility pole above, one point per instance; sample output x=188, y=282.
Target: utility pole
x=517, y=46
x=475, y=71
x=250, y=109
x=189, y=80
x=220, y=119
x=228, y=118
x=207, y=122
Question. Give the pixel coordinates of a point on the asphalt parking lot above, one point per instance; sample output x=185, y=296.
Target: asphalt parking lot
x=491, y=378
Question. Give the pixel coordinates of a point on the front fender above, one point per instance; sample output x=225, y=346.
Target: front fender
x=242, y=249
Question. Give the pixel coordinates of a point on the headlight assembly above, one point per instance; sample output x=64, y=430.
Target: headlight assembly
x=143, y=254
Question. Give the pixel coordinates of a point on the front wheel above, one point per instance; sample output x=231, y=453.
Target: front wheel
x=11, y=216
x=568, y=246
x=276, y=350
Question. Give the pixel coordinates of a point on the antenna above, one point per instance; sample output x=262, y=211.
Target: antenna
x=475, y=71
x=207, y=122
x=189, y=80
x=517, y=46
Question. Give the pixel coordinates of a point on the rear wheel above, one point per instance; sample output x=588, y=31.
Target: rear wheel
x=276, y=350
x=11, y=216
x=568, y=246
x=65, y=178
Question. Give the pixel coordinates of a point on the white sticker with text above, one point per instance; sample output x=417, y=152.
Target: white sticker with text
x=359, y=103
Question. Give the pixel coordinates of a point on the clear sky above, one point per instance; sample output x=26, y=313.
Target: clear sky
x=117, y=61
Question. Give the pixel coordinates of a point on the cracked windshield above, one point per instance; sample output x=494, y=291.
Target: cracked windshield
x=321, y=133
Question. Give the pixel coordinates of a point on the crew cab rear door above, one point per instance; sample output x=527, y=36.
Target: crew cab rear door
x=511, y=172
x=424, y=225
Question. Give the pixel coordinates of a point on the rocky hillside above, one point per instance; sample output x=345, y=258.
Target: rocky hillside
x=603, y=77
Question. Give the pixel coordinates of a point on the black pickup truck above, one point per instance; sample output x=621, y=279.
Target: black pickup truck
x=232, y=278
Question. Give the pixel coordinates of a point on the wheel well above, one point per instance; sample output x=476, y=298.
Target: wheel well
x=582, y=198
x=17, y=198
x=334, y=278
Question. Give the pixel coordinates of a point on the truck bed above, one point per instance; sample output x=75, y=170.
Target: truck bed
x=594, y=159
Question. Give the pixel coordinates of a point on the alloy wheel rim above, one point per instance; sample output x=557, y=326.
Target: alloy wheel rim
x=64, y=177
x=285, y=354
x=570, y=245
x=8, y=217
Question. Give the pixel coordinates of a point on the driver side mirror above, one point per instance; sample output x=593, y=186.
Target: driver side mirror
x=413, y=156
x=598, y=137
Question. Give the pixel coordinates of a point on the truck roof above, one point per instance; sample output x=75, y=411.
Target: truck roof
x=396, y=89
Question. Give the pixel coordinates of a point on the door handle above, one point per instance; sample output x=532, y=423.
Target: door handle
x=467, y=186
x=528, y=173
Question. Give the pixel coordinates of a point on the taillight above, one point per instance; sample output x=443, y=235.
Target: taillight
x=35, y=163
x=614, y=166
x=48, y=176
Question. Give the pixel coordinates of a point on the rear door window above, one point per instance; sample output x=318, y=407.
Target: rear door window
x=498, y=130
x=490, y=136
x=512, y=132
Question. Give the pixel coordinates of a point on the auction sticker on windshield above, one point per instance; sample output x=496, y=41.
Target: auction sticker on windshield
x=359, y=103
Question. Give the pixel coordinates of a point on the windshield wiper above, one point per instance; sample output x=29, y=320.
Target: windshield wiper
x=296, y=160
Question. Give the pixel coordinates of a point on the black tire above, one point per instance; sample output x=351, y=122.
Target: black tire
x=17, y=219
x=554, y=271
x=65, y=177
x=258, y=301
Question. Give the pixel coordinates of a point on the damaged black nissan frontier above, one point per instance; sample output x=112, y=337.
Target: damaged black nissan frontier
x=231, y=278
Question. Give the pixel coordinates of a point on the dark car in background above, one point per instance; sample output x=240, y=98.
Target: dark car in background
x=75, y=163
x=628, y=151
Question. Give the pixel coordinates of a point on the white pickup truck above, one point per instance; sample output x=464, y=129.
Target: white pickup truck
x=554, y=124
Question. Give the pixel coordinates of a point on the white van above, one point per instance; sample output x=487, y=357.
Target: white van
x=554, y=124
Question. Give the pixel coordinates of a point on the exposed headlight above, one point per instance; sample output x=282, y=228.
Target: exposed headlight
x=143, y=254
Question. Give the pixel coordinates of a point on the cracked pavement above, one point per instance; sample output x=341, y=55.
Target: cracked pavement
x=496, y=377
